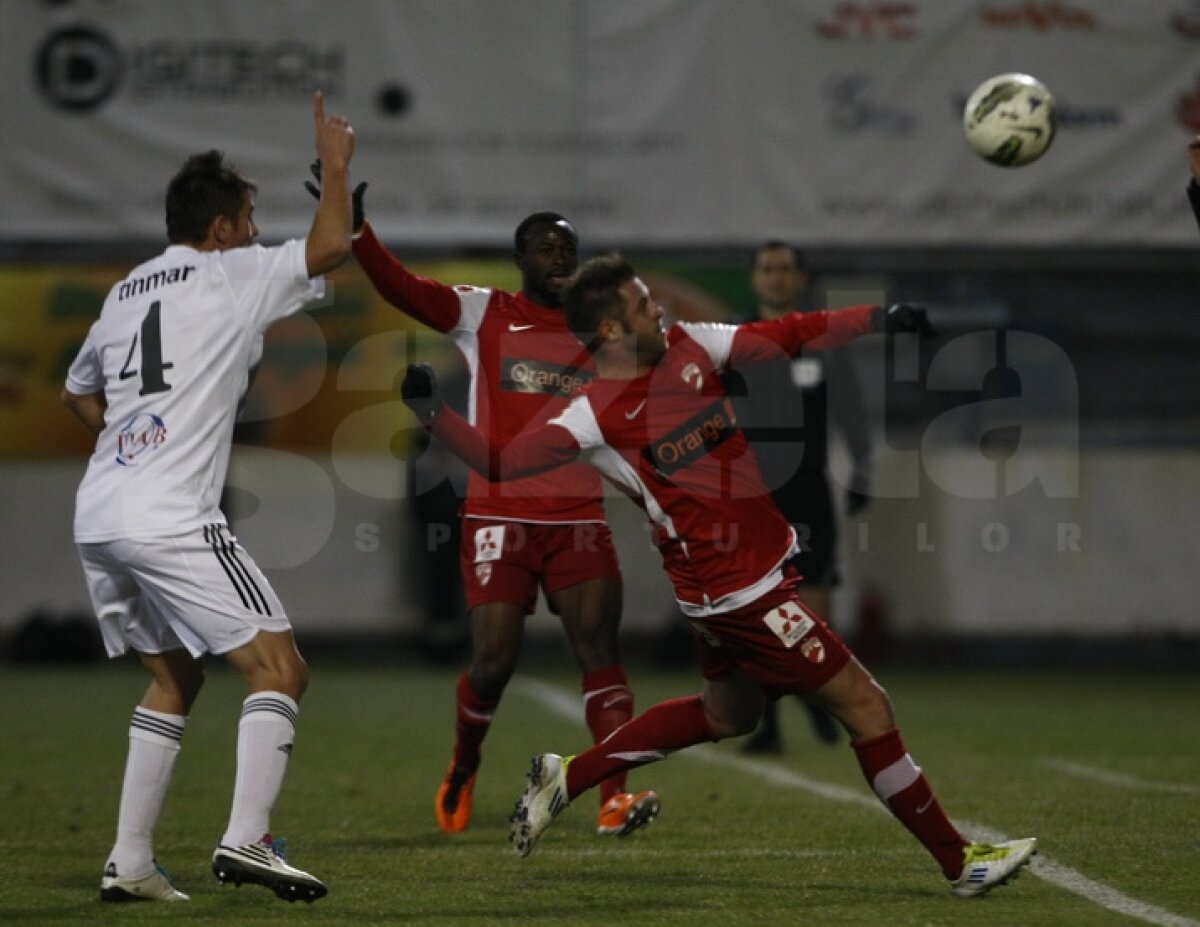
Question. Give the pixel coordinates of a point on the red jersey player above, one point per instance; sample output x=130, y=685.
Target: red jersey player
x=657, y=423
x=548, y=529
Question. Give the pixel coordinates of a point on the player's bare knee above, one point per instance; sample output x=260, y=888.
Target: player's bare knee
x=298, y=677
x=598, y=654
x=286, y=673
x=176, y=680
x=489, y=676
x=869, y=713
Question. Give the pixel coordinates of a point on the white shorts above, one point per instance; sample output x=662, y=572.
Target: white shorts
x=201, y=591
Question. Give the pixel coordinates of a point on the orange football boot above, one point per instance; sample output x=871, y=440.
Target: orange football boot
x=455, y=799
x=625, y=812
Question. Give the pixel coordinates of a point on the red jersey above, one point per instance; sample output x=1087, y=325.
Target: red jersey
x=524, y=365
x=670, y=440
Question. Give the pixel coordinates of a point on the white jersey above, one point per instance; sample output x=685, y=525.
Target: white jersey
x=172, y=351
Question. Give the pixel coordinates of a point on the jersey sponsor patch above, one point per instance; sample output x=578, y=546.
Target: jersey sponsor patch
x=483, y=573
x=789, y=623
x=696, y=437
x=535, y=376
x=489, y=544
x=143, y=433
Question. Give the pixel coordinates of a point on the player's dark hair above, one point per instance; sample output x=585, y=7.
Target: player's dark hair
x=776, y=244
x=525, y=229
x=204, y=188
x=592, y=295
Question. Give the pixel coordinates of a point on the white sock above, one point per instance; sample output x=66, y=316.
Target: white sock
x=154, y=742
x=265, y=735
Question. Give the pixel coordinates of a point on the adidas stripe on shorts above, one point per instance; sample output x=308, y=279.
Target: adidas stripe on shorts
x=200, y=590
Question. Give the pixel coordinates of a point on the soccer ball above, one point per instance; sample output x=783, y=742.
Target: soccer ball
x=1009, y=119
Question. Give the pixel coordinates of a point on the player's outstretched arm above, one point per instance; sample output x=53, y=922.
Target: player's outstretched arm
x=531, y=452
x=903, y=317
x=756, y=342
x=328, y=243
x=429, y=302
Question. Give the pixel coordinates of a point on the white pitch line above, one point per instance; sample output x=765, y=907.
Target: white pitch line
x=1120, y=780
x=567, y=705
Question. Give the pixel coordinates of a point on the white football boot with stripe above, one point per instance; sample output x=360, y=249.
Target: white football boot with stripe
x=544, y=799
x=263, y=863
x=987, y=865
x=155, y=886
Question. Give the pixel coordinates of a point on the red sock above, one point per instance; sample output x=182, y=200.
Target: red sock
x=472, y=720
x=903, y=788
x=663, y=729
x=607, y=703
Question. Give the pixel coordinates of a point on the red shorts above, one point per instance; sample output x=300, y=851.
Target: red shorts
x=785, y=647
x=506, y=561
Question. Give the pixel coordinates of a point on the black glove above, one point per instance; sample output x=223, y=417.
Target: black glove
x=357, y=212
x=856, y=501
x=902, y=317
x=420, y=392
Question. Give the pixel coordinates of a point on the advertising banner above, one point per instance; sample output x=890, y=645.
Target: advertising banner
x=648, y=122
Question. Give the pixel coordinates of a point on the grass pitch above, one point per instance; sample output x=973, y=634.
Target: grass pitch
x=1103, y=767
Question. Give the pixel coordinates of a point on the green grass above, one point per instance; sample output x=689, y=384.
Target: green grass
x=729, y=848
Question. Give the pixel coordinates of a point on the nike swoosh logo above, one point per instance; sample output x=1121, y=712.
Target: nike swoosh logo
x=925, y=807
x=614, y=700
x=518, y=328
x=637, y=409
x=639, y=756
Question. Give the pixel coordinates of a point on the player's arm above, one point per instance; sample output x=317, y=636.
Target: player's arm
x=530, y=452
x=828, y=328
x=428, y=301
x=90, y=408
x=328, y=244
x=545, y=448
x=83, y=392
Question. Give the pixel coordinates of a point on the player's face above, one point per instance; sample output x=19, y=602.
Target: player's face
x=550, y=256
x=776, y=281
x=643, y=318
x=244, y=231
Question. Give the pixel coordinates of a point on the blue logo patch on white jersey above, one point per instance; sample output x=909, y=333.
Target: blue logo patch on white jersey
x=140, y=435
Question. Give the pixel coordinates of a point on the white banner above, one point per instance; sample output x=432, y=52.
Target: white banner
x=648, y=122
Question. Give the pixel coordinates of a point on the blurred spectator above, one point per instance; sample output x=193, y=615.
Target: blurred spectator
x=1194, y=185
x=786, y=408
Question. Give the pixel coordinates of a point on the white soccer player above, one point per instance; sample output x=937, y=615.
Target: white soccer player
x=656, y=421
x=159, y=380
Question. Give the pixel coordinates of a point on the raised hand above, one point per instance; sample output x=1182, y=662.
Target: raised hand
x=335, y=138
x=903, y=317
x=358, y=210
x=420, y=392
